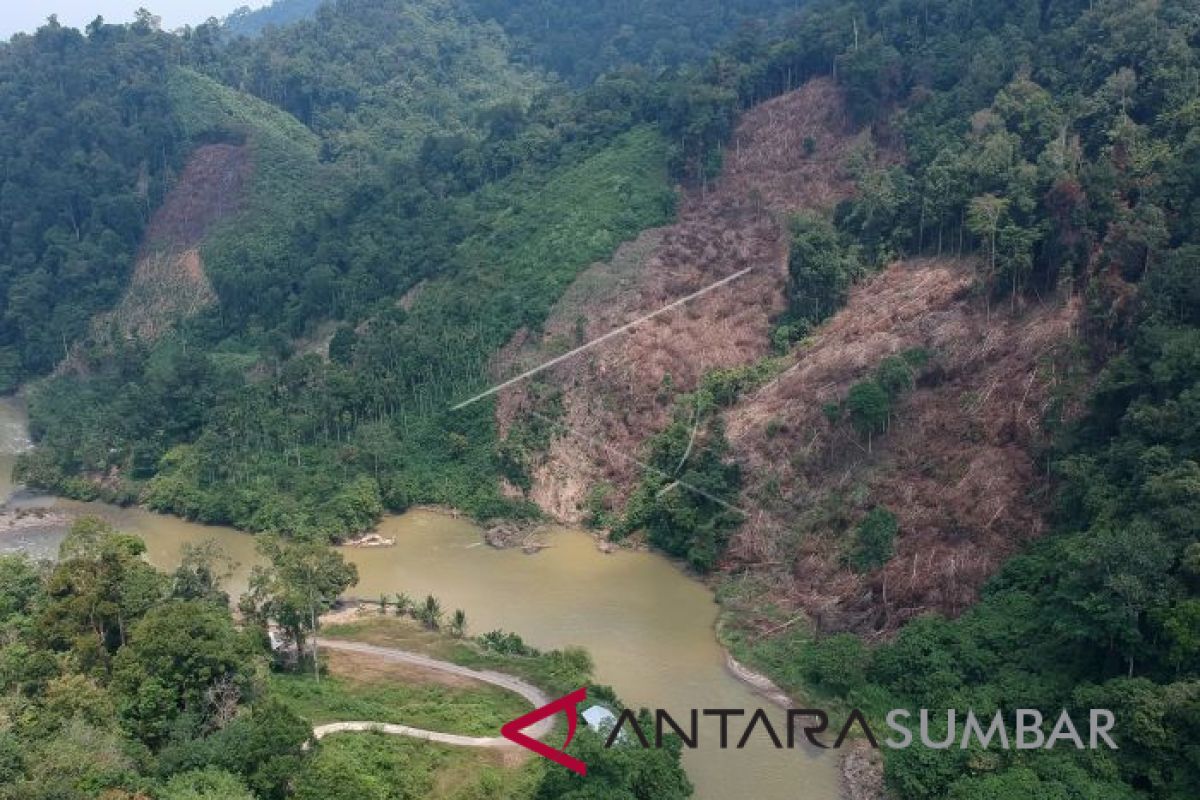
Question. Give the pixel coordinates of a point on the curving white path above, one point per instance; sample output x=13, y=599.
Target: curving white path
x=530, y=692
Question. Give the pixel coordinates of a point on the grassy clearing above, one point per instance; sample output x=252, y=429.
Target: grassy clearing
x=372, y=766
x=360, y=688
x=557, y=671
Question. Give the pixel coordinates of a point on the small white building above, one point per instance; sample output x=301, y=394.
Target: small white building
x=599, y=719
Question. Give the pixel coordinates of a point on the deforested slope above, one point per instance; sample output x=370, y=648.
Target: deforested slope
x=620, y=392
x=955, y=462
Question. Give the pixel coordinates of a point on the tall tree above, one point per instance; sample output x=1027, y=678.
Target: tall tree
x=299, y=582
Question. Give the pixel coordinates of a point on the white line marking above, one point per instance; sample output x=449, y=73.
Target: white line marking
x=662, y=473
x=599, y=339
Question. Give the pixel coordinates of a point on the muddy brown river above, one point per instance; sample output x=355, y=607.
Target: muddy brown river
x=648, y=626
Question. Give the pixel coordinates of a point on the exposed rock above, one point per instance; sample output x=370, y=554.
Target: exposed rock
x=23, y=519
x=371, y=540
x=532, y=547
x=504, y=535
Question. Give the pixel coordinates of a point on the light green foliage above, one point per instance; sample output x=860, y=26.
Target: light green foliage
x=206, y=784
x=378, y=767
x=1054, y=143
x=111, y=688
x=470, y=711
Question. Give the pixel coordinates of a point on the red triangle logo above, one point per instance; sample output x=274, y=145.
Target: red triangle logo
x=570, y=704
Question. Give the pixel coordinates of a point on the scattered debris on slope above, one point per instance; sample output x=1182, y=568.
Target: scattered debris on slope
x=956, y=466
x=169, y=282
x=786, y=155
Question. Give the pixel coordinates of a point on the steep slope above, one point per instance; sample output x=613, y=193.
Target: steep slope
x=957, y=464
x=375, y=76
x=169, y=282
x=956, y=467
x=86, y=148
x=244, y=182
x=620, y=393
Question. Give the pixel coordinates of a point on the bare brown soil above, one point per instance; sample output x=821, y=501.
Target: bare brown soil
x=169, y=282
x=957, y=466
x=208, y=190
x=359, y=668
x=617, y=395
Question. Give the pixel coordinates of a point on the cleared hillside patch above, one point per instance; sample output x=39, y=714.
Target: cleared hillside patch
x=621, y=393
x=956, y=462
x=169, y=281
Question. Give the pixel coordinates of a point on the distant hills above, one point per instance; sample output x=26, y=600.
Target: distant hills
x=252, y=22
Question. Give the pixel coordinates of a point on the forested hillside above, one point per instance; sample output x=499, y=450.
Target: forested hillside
x=251, y=22
x=580, y=40
x=87, y=147
x=958, y=390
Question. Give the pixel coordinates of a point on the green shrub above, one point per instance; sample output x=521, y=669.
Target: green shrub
x=874, y=540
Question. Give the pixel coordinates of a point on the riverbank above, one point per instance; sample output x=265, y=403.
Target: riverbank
x=20, y=520
x=647, y=624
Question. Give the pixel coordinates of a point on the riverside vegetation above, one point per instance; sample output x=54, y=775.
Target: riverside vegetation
x=1056, y=144
x=120, y=681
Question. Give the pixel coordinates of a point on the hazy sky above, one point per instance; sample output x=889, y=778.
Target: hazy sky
x=27, y=15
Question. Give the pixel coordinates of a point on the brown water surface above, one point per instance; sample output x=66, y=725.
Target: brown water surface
x=648, y=626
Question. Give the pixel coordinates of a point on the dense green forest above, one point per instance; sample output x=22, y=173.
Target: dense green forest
x=439, y=200
x=87, y=143
x=251, y=22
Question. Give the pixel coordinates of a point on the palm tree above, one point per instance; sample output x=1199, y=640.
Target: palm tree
x=458, y=623
x=404, y=604
x=431, y=613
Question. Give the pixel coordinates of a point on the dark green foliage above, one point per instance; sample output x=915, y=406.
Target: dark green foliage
x=298, y=582
x=87, y=143
x=322, y=448
x=687, y=502
x=869, y=403
x=264, y=747
x=174, y=656
x=341, y=346
x=375, y=77
x=1055, y=151
x=1055, y=142
x=873, y=540
x=247, y=22
x=870, y=407
x=821, y=269
x=624, y=771
x=582, y=40
x=114, y=685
